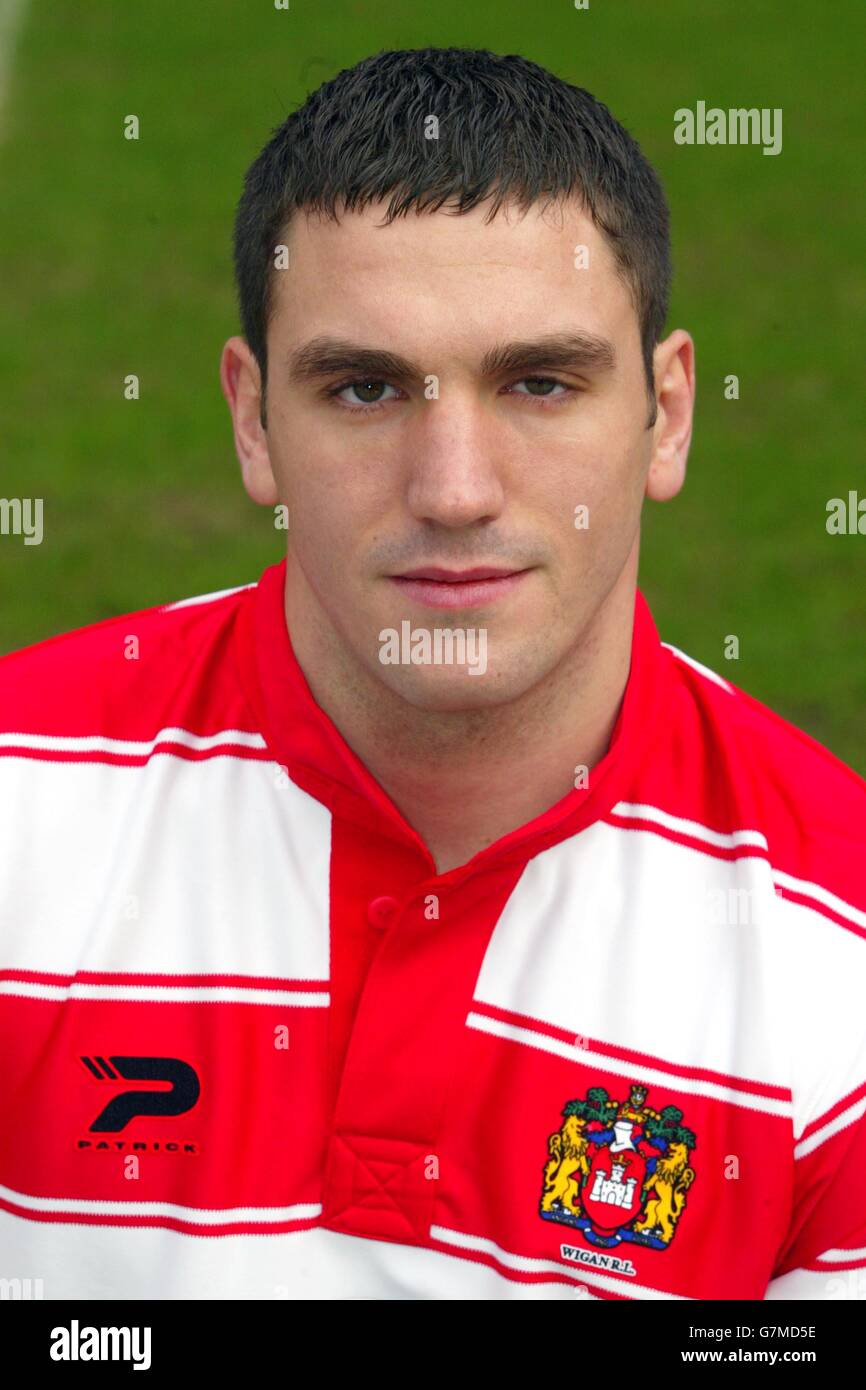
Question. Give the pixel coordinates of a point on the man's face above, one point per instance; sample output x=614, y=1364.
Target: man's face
x=454, y=462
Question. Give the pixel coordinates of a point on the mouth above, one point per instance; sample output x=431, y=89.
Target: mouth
x=441, y=588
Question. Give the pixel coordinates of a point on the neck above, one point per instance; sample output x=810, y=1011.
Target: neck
x=464, y=779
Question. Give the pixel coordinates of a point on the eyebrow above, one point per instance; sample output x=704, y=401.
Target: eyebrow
x=326, y=356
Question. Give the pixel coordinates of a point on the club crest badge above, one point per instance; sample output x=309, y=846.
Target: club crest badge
x=619, y=1170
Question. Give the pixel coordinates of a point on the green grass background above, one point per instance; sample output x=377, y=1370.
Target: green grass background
x=116, y=257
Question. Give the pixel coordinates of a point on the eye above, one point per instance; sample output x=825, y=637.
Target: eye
x=362, y=388
x=544, y=383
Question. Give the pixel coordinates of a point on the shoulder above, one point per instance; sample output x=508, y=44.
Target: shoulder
x=125, y=678
x=742, y=767
x=791, y=776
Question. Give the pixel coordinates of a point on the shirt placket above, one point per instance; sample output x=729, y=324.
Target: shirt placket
x=383, y=1165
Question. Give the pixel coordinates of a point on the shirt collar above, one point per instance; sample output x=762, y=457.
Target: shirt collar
x=308, y=744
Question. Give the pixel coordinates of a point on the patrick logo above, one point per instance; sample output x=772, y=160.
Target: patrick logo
x=619, y=1170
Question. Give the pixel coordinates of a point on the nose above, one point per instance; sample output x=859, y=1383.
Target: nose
x=456, y=463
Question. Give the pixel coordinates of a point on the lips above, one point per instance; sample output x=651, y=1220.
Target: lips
x=434, y=587
x=459, y=576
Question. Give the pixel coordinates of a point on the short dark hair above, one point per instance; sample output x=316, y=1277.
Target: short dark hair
x=509, y=130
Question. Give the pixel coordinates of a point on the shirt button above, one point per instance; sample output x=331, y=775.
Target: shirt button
x=382, y=911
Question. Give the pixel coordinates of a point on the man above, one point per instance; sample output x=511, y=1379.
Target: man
x=414, y=923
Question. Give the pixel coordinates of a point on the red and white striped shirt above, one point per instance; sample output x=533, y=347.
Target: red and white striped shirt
x=252, y=1045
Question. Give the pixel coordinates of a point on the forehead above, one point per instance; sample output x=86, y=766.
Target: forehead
x=518, y=274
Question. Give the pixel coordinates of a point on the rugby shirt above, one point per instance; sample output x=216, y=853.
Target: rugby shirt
x=253, y=1046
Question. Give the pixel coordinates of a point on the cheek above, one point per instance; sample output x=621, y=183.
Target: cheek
x=321, y=525
x=333, y=512
x=593, y=514
x=592, y=489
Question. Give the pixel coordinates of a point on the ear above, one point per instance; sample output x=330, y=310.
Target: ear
x=674, y=374
x=242, y=387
